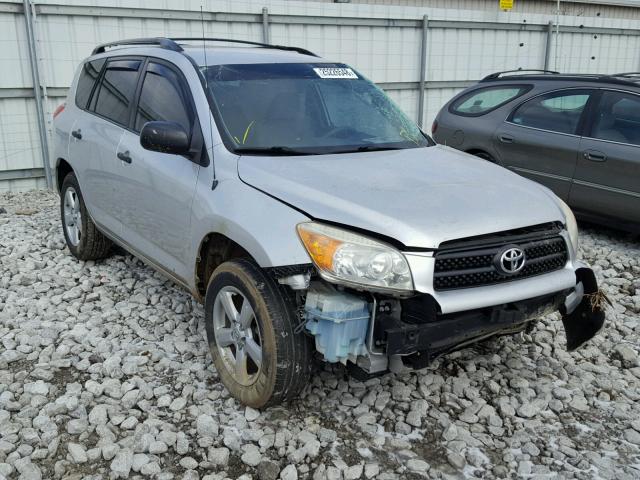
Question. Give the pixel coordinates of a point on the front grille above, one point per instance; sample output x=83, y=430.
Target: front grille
x=472, y=262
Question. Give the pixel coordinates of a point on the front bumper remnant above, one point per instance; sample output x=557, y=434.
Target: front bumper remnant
x=421, y=337
x=583, y=313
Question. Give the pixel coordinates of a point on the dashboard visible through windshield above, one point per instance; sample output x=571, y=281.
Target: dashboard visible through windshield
x=301, y=109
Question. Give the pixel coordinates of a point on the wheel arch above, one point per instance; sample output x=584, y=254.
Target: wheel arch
x=63, y=168
x=482, y=153
x=214, y=249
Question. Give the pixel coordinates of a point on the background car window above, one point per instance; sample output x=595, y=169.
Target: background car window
x=618, y=118
x=88, y=76
x=117, y=89
x=558, y=112
x=162, y=99
x=484, y=100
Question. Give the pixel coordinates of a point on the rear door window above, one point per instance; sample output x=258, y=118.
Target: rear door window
x=618, y=118
x=483, y=100
x=88, y=76
x=117, y=89
x=162, y=98
x=557, y=111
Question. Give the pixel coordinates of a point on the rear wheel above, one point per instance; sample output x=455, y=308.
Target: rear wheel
x=251, y=330
x=83, y=238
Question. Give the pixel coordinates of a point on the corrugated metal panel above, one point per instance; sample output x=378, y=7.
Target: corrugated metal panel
x=382, y=54
x=591, y=8
x=485, y=51
x=22, y=185
x=14, y=56
x=583, y=53
x=19, y=143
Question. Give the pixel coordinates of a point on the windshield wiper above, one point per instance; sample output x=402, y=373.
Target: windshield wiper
x=369, y=148
x=284, y=151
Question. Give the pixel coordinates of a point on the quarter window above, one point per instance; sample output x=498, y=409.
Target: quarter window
x=88, y=76
x=618, y=118
x=117, y=90
x=481, y=101
x=162, y=98
x=557, y=112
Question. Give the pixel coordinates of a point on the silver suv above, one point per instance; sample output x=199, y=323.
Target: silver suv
x=307, y=212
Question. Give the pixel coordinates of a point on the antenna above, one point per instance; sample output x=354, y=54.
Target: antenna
x=206, y=84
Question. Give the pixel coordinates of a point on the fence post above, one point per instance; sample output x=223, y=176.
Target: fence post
x=423, y=69
x=265, y=25
x=547, y=51
x=37, y=91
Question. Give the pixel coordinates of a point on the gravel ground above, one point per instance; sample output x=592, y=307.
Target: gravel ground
x=105, y=373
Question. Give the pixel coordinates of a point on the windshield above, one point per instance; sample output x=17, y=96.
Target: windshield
x=298, y=108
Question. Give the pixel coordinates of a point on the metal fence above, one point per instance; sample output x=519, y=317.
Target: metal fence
x=420, y=56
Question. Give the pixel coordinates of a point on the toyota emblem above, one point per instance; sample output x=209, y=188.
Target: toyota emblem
x=511, y=260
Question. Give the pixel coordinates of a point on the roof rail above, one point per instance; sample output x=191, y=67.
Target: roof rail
x=495, y=75
x=303, y=51
x=626, y=74
x=159, y=41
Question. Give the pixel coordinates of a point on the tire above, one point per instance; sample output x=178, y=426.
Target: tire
x=286, y=356
x=88, y=243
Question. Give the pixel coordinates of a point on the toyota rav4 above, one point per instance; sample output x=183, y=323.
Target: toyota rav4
x=311, y=217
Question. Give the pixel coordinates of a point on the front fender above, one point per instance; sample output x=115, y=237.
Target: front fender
x=263, y=226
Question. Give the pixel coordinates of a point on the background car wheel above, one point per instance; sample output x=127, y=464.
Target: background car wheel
x=250, y=323
x=83, y=238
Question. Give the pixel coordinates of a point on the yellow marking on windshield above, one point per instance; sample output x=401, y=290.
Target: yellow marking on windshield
x=246, y=132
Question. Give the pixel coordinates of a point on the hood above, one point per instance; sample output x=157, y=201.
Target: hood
x=420, y=197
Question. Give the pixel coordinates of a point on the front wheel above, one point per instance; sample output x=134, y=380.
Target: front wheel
x=251, y=329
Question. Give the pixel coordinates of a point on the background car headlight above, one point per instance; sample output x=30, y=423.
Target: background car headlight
x=571, y=224
x=345, y=257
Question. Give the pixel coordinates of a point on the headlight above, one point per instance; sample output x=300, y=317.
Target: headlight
x=345, y=257
x=571, y=224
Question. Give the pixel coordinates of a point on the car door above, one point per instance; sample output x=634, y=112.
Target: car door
x=84, y=140
x=540, y=138
x=97, y=134
x=607, y=178
x=157, y=189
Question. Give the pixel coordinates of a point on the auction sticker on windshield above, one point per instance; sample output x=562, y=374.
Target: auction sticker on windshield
x=334, y=72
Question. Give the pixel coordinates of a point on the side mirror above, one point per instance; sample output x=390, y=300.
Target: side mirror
x=165, y=137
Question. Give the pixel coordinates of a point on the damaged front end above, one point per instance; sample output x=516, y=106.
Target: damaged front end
x=375, y=328
x=372, y=333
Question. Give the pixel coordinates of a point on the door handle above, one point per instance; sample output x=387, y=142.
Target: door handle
x=124, y=156
x=77, y=134
x=505, y=138
x=594, y=156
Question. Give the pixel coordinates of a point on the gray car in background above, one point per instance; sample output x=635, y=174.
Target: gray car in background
x=307, y=212
x=577, y=134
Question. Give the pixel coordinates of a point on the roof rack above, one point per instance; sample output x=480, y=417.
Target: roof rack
x=303, y=51
x=172, y=44
x=627, y=74
x=495, y=75
x=158, y=41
